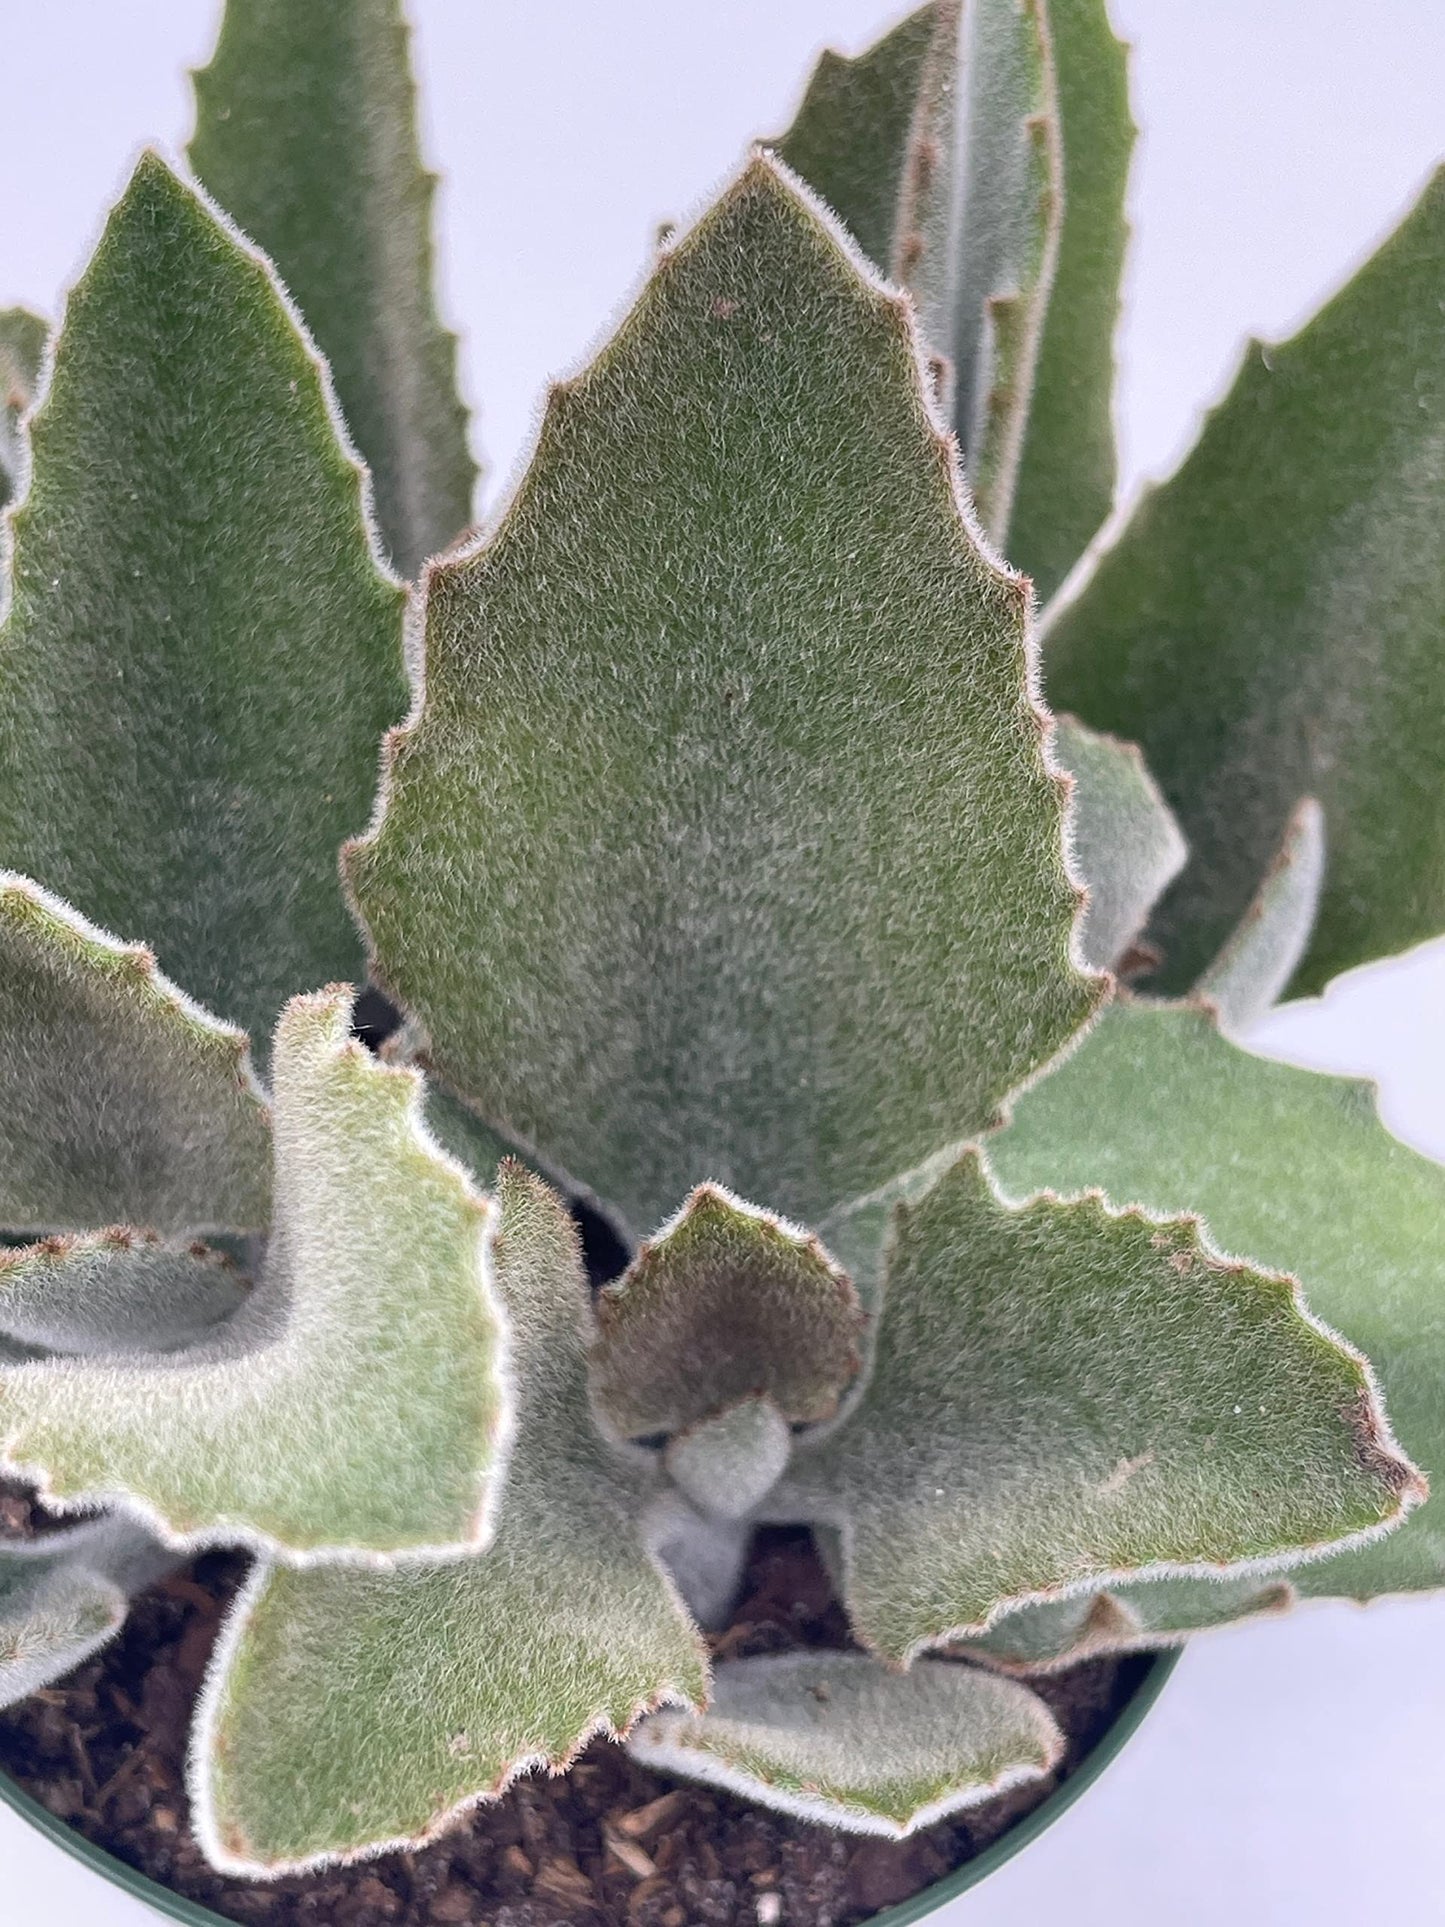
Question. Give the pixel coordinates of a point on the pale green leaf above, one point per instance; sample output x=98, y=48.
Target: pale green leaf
x=731, y=857
x=120, y=1100
x=1271, y=624
x=1010, y=197
x=1064, y=487
x=350, y=1707
x=306, y=135
x=724, y=1302
x=840, y=1740
x=200, y=654
x=114, y=1292
x=1290, y=1169
x=1060, y=1393
x=64, y=1593
x=1127, y=846
x=1259, y=959
x=1124, y=1619
x=727, y=1464
x=22, y=350
x=354, y=1403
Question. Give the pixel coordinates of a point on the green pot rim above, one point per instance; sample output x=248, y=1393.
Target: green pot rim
x=173, y=1906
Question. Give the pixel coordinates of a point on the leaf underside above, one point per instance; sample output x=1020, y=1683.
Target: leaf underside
x=200, y=654
x=1121, y=1400
x=838, y=1739
x=1123, y=1619
x=1270, y=624
x=735, y=859
x=63, y=1594
x=1126, y=844
x=355, y=1707
x=354, y=1401
x=725, y=1302
x=306, y=135
x=1292, y=1168
x=120, y=1102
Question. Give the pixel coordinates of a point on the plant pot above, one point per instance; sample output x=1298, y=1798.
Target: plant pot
x=171, y=1906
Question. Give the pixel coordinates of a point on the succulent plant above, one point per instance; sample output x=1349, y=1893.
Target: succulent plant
x=729, y=872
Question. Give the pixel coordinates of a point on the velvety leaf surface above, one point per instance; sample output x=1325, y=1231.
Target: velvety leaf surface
x=1294, y=1170
x=355, y=1401
x=64, y=1594
x=115, y=1291
x=22, y=349
x=726, y=1301
x=1123, y=1619
x=120, y=1100
x=200, y=654
x=1010, y=203
x=854, y=137
x=1126, y=844
x=1270, y=624
x=837, y=1738
x=306, y=135
x=730, y=856
x=727, y=1464
x=1259, y=959
x=352, y=1707
x=1064, y=486
x=1119, y=1399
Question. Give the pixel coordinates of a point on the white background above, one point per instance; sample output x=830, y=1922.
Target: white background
x=1292, y=1774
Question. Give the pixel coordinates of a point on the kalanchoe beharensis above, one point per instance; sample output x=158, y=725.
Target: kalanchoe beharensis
x=726, y=866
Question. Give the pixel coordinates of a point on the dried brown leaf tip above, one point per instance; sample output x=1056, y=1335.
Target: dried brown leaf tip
x=726, y=1304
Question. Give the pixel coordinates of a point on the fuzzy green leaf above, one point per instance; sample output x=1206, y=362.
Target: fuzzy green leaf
x=1010, y=193
x=1271, y=624
x=1257, y=962
x=348, y=1707
x=1124, y=1619
x=857, y=134
x=724, y=1302
x=306, y=135
x=200, y=654
x=120, y=1100
x=734, y=857
x=1127, y=846
x=114, y=1292
x=1290, y=1168
x=1121, y=1399
x=63, y=1593
x=22, y=350
x=354, y=1402
x=728, y=1464
x=838, y=1739
x=1064, y=486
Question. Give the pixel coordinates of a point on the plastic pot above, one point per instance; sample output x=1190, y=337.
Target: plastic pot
x=171, y=1906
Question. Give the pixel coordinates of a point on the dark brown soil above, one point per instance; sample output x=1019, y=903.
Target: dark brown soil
x=606, y=1845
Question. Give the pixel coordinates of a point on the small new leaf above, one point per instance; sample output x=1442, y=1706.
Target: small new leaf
x=306, y=135
x=731, y=857
x=840, y=1740
x=353, y=1405
x=121, y=1102
x=728, y=1464
x=1269, y=624
x=1060, y=1393
x=200, y=653
x=1288, y=1168
x=1127, y=846
x=725, y=1303
x=64, y=1593
x=350, y=1708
